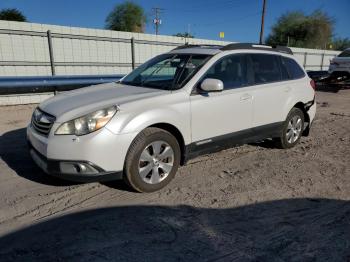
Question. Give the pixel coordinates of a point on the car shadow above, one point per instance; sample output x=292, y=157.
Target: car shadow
x=14, y=152
x=119, y=185
x=267, y=143
x=282, y=230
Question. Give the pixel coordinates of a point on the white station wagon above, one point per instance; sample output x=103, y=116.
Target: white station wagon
x=191, y=101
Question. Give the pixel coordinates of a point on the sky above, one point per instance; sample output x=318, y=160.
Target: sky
x=238, y=19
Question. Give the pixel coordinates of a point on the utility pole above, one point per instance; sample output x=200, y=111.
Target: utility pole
x=262, y=23
x=157, y=21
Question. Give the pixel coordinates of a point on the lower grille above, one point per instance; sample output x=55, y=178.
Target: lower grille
x=42, y=122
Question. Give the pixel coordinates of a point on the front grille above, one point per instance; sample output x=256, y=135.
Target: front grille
x=42, y=122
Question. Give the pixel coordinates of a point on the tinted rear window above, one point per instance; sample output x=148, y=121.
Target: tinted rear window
x=294, y=70
x=266, y=68
x=345, y=53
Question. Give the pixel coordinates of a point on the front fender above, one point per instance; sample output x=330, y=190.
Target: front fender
x=175, y=115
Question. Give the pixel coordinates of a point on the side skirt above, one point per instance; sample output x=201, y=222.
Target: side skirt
x=216, y=144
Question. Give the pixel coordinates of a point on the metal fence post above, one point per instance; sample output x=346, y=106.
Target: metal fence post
x=132, y=53
x=52, y=60
x=322, y=58
x=305, y=59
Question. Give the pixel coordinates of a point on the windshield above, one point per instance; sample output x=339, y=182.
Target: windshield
x=345, y=53
x=168, y=71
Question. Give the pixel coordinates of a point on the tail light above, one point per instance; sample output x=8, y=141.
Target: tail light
x=313, y=84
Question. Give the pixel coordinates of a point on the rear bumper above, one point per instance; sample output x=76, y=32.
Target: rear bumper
x=52, y=167
x=311, y=112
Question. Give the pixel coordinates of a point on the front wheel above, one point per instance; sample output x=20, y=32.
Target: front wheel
x=152, y=160
x=292, y=129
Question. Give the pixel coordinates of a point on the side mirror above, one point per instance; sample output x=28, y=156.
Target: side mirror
x=212, y=85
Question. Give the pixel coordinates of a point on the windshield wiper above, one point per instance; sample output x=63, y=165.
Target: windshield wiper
x=157, y=70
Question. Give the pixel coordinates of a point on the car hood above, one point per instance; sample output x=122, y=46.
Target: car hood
x=72, y=104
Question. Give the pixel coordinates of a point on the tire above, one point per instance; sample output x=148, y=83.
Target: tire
x=292, y=129
x=152, y=160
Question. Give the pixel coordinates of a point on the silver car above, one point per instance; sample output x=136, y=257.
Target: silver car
x=340, y=65
x=191, y=101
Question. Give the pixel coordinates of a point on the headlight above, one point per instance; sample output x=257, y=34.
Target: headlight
x=88, y=123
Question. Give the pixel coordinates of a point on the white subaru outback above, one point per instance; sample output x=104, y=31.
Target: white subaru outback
x=191, y=101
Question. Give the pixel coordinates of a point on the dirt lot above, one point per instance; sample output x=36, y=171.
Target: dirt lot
x=252, y=203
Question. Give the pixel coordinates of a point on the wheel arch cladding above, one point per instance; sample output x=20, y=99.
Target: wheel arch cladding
x=301, y=106
x=177, y=134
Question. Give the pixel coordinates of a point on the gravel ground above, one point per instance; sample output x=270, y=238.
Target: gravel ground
x=251, y=203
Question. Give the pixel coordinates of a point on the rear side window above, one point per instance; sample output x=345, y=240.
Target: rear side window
x=265, y=68
x=345, y=53
x=294, y=70
x=231, y=70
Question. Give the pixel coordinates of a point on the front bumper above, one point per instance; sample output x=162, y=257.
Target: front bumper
x=101, y=154
x=52, y=167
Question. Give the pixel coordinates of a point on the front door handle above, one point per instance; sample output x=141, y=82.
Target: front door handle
x=246, y=97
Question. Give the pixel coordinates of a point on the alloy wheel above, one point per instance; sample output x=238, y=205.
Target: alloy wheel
x=294, y=129
x=156, y=162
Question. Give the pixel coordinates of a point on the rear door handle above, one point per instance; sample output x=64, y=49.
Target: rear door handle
x=246, y=97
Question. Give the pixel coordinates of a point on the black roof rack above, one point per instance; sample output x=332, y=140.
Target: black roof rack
x=252, y=46
x=237, y=46
x=198, y=46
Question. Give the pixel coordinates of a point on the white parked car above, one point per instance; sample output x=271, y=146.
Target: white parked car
x=191, y=101
x=340, y=65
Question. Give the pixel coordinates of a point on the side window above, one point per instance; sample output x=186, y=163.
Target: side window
x=265, y=68
x=231, y=70
x=284, y=71
x=294, y=70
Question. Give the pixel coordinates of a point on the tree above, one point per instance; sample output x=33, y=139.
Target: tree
x=300, y=30
x=186, y=35
x=340, y=43
x=12, y=14
x=128, y=17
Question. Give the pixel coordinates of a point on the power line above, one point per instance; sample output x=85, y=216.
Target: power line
x=230, y=20
x=217, y=6
x=262, y=22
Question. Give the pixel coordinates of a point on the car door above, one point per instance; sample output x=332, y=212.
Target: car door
x=270, y=92
x=220, y=115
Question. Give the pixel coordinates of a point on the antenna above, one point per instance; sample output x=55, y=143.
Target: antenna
x=157, y=21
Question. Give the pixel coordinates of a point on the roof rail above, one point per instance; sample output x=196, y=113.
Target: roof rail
x=252, y=46
x=198, y=46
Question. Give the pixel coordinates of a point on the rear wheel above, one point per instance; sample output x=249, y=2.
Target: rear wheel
x=292, y=129
x=152, y=160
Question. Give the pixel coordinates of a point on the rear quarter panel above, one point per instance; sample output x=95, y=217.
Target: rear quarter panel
x=301, y=91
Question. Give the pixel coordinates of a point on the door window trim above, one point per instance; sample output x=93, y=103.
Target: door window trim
x=249, y=67
x=200, y=80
